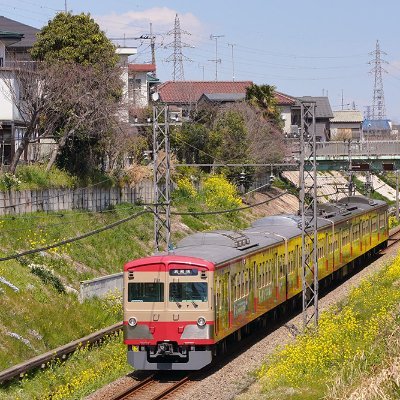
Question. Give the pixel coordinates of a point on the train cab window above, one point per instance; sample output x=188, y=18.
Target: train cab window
x=146, y=292
x=188, y=291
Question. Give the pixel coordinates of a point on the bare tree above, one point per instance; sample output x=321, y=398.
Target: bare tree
x=24, y=86
x=89, y=103
x=60, y=100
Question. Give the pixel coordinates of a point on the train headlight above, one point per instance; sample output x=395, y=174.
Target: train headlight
x=201, y=321
x=132, y=321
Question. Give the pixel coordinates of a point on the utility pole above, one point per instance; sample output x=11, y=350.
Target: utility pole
x=162, y=178
x=309, y=213
x=351, y=185
x=150, y=36
x=65, y=6
x=397, y=194
x=233, y=62
x=217, y=60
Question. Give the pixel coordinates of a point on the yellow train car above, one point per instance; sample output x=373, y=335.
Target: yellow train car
x=216, y=285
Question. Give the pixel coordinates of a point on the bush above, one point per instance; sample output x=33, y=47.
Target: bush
x=9, y=181
x=220, y=194
x=185, y=188
x=36, y=177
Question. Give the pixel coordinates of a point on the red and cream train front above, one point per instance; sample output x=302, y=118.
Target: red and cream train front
x=168, y=321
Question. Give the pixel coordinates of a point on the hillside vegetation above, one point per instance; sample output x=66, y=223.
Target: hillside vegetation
x=40, y=309
x=352, y=355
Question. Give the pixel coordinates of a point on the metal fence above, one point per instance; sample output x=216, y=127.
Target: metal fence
x=362, y=148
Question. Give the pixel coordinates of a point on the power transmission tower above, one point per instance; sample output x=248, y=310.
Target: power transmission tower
x=162, y=178
x=217, y=60
x=378, y=103
x=177, y=57
x=309, y=213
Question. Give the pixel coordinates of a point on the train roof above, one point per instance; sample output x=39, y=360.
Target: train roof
x=222, y=245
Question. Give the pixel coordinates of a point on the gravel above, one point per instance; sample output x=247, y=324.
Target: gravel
x=235, y=379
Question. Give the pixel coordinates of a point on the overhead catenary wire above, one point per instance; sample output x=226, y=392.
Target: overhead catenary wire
x=230, y=210
x=76, y=238
x=121, y=221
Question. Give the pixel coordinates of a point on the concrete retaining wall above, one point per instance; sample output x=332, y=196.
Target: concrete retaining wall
x=101, y=286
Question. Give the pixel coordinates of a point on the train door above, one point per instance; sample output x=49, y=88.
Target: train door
x=222, y=303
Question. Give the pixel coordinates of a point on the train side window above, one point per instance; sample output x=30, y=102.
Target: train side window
x=374, y=224
x=381, y=221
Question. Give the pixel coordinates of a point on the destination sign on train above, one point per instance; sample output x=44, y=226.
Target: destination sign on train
x=183, y=272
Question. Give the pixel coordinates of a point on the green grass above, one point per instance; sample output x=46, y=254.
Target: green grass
x=45, y=315
x=84, y=372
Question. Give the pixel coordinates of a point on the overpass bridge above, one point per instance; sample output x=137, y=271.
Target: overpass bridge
x=337, y=155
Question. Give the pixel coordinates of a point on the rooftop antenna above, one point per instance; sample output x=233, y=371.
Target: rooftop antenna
x=217, y=60
x=233, y=62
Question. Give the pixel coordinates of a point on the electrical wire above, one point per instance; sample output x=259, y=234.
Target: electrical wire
x=231, y=210
x=76, y=238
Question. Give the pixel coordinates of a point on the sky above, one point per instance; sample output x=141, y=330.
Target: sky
x=303, y=48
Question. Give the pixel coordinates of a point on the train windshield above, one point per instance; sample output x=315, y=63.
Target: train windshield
x=188, y=291
x=146, y=292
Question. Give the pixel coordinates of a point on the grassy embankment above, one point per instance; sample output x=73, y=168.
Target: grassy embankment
x=353, y=354
x=45, y=312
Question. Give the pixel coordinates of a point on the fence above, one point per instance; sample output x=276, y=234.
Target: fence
x=90, y=199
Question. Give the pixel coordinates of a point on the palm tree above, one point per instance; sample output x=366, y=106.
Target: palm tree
x=263, y=97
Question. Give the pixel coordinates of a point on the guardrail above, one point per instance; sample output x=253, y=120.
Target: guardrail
x=365, y=149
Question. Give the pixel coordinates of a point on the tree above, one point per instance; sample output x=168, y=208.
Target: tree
x=74, y=38
x=27, y=86
x=263, y=97
x=64, y=101
x=87, y=107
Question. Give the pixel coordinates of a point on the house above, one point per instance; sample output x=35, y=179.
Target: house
x=377, y=129
x=323, y=114
x=186, y=94
x=11, y=125
x=141, y=80
x=19, y=50
x=285, y=104
x=346, y=124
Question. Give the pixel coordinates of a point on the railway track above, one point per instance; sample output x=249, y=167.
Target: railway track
x=63, y=351
x=154, y=387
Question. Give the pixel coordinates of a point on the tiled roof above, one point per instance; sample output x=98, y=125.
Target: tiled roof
x=347, y=116
x=283, y=99
x=224, y=97
x=191, y=91
x=323, y=107
x=29, y=32
x=141, y=67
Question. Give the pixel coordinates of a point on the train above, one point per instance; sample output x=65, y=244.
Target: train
x=184, y=306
